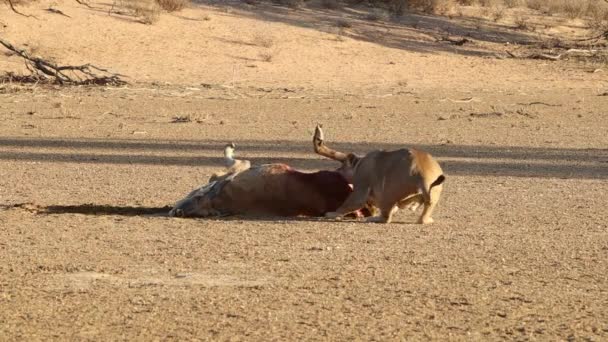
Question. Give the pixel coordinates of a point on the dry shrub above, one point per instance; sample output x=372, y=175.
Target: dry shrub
x=595, y=9
x=513, y=3
x=343, y=23
x=172, y=5
x=376, y=14
x=263, y=41
x=571, y=8
x=598, y=14
x=498, y=13
x=521, y=23
x=330, y=4
x=290, y=3
x=490, y=3
x=398, y=7
x=536, y=4
x=147, y=10
x=429, y=6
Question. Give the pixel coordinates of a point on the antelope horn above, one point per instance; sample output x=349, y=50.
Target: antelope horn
x=322, y=149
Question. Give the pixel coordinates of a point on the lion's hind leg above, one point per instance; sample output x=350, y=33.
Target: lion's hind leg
x=431, y=197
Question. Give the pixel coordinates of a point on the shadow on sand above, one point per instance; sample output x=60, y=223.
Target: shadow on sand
x=455, y=159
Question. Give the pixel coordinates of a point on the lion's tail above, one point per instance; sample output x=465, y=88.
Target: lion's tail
x=437, y=181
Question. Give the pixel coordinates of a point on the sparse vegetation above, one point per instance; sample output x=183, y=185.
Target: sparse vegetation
x=513, y=3
x=376, y=15
x=148, y=11
x=521, y=23
x=265, y=41
x=498, y=13
x=330, y=4
x=597, y=9
x=290, y=3
x=172, y=5
x=343, y=23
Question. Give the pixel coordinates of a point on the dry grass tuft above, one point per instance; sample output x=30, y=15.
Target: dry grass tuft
x=498, y=13
x=431, y=6
x=263, y=40
x=521, y=23
x=148, y=11
x=173, y=5
x=513, y=3
x=596, y=10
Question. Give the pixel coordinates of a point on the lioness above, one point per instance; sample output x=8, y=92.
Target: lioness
x=386, y=179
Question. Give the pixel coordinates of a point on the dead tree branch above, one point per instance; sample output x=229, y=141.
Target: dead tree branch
x=12, y=6
x=46, y=71
x=575, y=53
x=84, y=3
x=459, y=41
x=56, y=11
x=535, y=56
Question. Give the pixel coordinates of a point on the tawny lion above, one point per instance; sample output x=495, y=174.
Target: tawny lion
x=387, y=180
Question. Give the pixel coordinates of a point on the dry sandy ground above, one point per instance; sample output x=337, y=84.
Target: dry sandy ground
x=519, y=250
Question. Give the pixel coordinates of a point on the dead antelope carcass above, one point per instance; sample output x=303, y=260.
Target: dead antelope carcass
x=266, y=190
x=387, y=180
